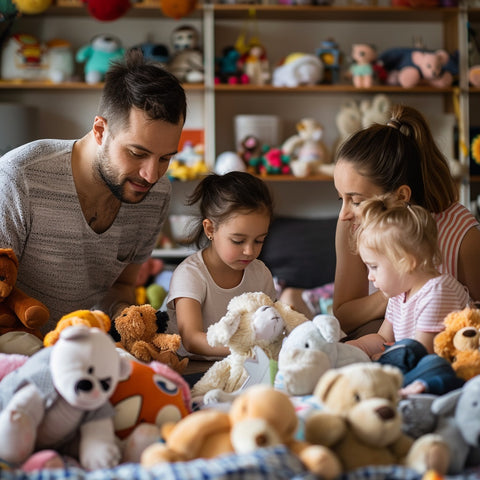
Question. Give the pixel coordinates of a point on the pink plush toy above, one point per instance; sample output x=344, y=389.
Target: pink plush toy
x=409, y=67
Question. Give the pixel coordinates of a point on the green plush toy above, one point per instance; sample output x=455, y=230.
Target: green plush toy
x=98, y=56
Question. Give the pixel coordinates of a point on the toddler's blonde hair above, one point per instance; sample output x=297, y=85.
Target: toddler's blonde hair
x=406, y=234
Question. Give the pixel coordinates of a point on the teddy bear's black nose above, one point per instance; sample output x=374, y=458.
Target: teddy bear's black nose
x=385, y=413
x=470, y=332
x=83, y=386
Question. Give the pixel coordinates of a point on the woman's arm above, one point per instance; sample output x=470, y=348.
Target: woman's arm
x=352, y=304
x=469, y=263
x=190, y=327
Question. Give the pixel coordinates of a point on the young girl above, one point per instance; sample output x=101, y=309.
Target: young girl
x=398, y=244
x=399, y=158
x=236, y=210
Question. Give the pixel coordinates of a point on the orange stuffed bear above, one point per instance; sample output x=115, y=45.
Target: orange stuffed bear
x=137, y=327
x=459, y=343
x=18, y=311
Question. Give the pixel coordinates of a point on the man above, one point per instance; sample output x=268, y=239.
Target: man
x=83, y=215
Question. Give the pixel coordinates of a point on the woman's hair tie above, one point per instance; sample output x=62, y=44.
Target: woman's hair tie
x=393, y=122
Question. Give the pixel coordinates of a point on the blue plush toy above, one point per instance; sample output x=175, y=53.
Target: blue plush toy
x=98, y=55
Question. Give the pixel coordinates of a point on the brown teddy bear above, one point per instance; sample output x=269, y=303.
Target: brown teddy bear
x=18, y=311
x=361, y=423
x=252, y=319
x=260, y=417
x=459, y=343
x=137, y=327
x=89, y=318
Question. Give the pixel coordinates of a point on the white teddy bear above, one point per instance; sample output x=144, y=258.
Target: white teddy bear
x=309, y=351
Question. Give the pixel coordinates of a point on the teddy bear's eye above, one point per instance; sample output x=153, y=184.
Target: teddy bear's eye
x=307, y=345
x=90, y=370
x=356, y=397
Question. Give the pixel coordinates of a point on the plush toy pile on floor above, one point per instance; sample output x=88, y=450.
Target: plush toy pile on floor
x=83, y=401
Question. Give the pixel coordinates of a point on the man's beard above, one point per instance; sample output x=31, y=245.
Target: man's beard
x=108, y=176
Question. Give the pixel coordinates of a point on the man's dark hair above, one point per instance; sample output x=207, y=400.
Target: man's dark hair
x=146, y=85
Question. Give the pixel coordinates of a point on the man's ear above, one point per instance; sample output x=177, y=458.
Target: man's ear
x=99, y=129
x=404, y=193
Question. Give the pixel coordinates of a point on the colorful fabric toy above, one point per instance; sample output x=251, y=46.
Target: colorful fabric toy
x=153, y=393
x=61, y=394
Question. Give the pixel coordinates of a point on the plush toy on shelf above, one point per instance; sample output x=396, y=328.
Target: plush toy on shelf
x=227, y=69
x=61, y=394
x=260, y=417
x=252, y=319
x=137, y=327
x=186, y=61
x=298, y=69
x=459, y=343
x=254, y=64
x=18, y=311
x=308, y=153
x=178, y=8
x=409, y=67
x=32, y=7
x=271, y=161
x=107, y=10
x=363, y=55
x=98, y=56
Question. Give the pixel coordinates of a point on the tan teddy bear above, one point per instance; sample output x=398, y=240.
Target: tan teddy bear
x=260, y=417
x=252, y=319
x=459, y=343
x=137, y=327
x=361, y=423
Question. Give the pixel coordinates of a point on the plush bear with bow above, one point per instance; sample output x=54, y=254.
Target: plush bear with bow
x=361, y=423
x=260, y=417
x=459, y=343
x=61, y=395
x=18, y=311
x=252, y=319
x=309, y=351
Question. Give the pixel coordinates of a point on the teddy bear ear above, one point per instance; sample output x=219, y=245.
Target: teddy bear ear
x=220, y=333
x=326, y=383
x=329, y=327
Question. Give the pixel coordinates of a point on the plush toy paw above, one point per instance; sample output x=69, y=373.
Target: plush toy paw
x=429, y=452
x=18, y=423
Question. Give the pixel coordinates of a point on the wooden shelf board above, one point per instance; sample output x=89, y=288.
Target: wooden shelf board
x=46, y=85
x=337, y=88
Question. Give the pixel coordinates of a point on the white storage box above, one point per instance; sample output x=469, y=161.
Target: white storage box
x=267, y=128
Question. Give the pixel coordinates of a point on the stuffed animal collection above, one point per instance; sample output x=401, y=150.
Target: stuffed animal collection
x=260, y=416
